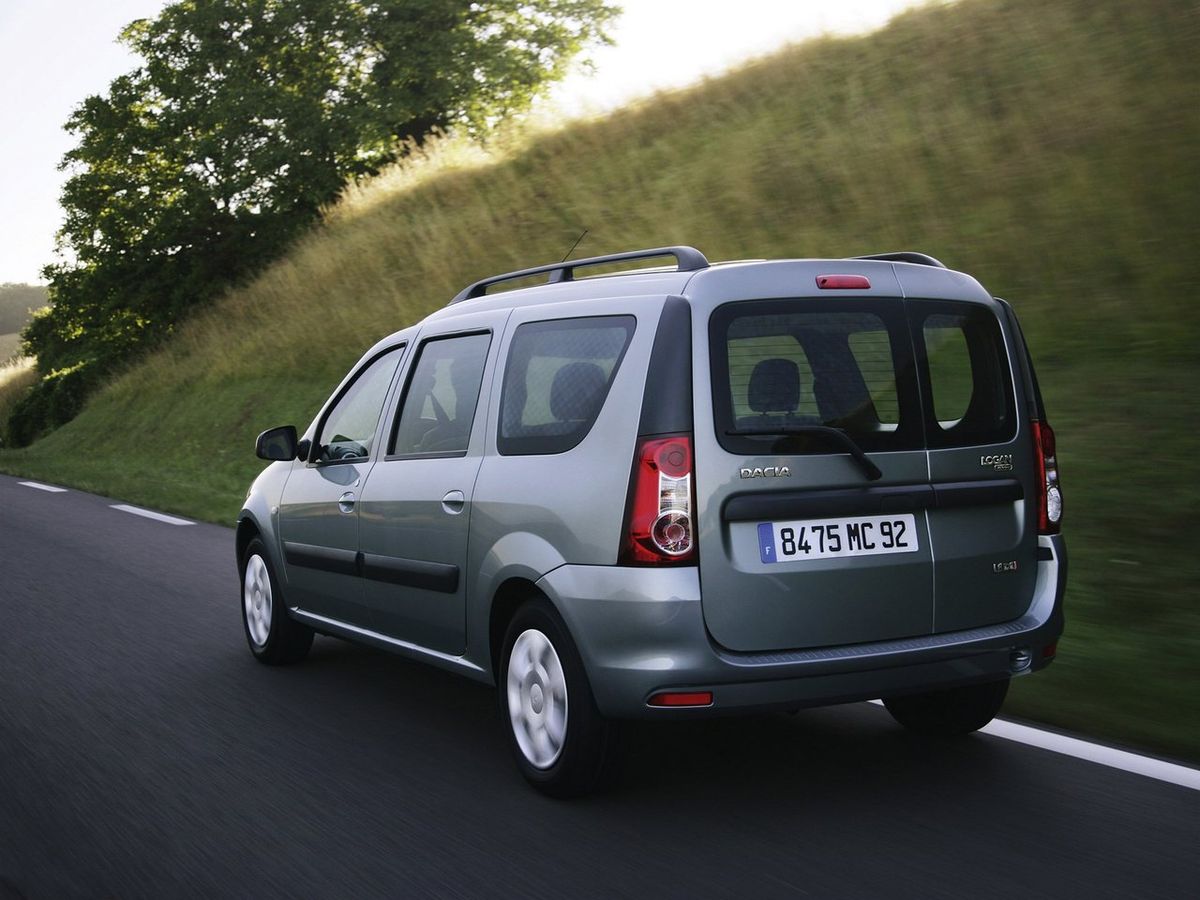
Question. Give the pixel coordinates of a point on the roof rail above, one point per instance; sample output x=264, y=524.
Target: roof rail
x=688, y=259
x=908, y=256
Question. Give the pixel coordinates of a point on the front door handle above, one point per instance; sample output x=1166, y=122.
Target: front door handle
x=346, y=502
x=454, y=502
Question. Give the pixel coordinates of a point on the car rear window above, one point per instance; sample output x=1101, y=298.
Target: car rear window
x=965, y=370
x=779, y=366
x=556, y=380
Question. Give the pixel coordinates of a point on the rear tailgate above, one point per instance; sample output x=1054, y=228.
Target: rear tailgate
x=799, y=546
x=981, y=462
x=802, y=546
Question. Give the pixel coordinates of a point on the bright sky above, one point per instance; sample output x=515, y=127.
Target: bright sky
x=53, y=53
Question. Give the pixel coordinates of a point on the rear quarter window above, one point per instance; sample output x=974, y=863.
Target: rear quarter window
x=556, y=380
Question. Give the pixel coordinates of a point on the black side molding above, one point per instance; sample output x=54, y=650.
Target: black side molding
x=868, y=501
x=429, y=576
x=327, y=559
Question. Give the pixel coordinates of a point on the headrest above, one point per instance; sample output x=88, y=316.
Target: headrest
x=775, y=386
x=577, y=391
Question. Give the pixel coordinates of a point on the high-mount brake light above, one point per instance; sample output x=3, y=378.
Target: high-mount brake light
x=660, y=504
x=844, y=282
x=1050, y=500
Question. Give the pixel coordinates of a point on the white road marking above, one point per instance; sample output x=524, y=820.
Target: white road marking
x=43, y=487
x=150, y=514
x=1148, y=766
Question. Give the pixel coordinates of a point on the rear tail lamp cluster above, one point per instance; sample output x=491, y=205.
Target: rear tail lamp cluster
x=661, y=529
x=1050, y=501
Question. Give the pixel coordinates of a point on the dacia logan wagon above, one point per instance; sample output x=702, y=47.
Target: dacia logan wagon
x=681, y=491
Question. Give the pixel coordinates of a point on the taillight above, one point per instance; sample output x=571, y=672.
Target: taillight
x=1050, y=501
x=661, y=528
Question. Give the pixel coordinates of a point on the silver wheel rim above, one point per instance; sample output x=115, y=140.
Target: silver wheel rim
x=537, y=698
x=256, y=595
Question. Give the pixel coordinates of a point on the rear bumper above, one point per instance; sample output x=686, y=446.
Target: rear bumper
x=641, y=630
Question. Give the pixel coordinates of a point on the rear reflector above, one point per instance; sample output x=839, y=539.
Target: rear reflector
x=1050, y=651
x=691, y=698
x=843, y=282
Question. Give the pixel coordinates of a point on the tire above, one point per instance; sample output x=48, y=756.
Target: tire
x=275, y=638
x=949, y=713
x=561, y=743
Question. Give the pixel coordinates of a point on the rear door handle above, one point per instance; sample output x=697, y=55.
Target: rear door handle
x=454, y=502
x=346, y=502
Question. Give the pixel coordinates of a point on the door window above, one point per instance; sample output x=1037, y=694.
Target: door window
x=443, y=392
x=349, y=426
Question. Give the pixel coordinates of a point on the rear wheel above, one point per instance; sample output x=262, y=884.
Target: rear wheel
x=949, y=713
x=561, y=743
x=275, y=638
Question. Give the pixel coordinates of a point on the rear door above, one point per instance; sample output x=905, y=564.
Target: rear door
x=981, y=465
x=801, y=545
x=416, y=505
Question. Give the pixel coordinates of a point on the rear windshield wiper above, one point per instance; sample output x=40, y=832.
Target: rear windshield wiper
x=822, y=432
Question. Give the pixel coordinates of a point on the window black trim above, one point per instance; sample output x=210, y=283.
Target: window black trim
x=549, y=445
x=667, y=399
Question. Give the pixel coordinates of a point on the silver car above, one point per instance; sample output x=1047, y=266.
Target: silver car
x=677, y=492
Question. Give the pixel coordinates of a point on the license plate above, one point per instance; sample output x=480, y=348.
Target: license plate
x=831, y=538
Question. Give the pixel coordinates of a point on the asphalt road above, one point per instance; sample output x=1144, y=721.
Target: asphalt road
x=144, y=753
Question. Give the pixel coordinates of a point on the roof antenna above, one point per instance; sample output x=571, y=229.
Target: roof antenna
x=574, y=245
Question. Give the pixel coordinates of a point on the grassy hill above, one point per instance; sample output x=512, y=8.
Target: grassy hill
x=1048, y=148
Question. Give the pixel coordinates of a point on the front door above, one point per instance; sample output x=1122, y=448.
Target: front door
x=318, y=513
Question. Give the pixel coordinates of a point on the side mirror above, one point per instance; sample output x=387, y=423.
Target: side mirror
x=277, y=443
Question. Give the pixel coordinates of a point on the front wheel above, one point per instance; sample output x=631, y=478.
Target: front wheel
x=949, y=713
x=275, y=638
x=561, y=743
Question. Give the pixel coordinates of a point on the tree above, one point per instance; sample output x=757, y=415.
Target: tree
x=245, y=117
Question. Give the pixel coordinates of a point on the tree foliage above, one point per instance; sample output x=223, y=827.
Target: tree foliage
x=244, y=118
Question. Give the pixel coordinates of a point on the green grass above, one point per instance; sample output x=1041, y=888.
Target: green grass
x=1048, y=148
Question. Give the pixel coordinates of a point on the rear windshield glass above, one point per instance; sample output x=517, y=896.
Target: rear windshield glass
x=965, y=368
x=780, y=367
x=556, y=379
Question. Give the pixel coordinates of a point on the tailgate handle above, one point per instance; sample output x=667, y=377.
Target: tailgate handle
x=765, y=507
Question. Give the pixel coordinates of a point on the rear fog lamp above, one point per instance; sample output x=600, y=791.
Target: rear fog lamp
x=686, y=698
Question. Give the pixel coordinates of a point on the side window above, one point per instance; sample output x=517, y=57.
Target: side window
x=969, y=382
x=349, y=427
x=556, y=380
x=443, y=391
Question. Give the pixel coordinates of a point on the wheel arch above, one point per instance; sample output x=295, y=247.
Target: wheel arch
x=506, y=601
